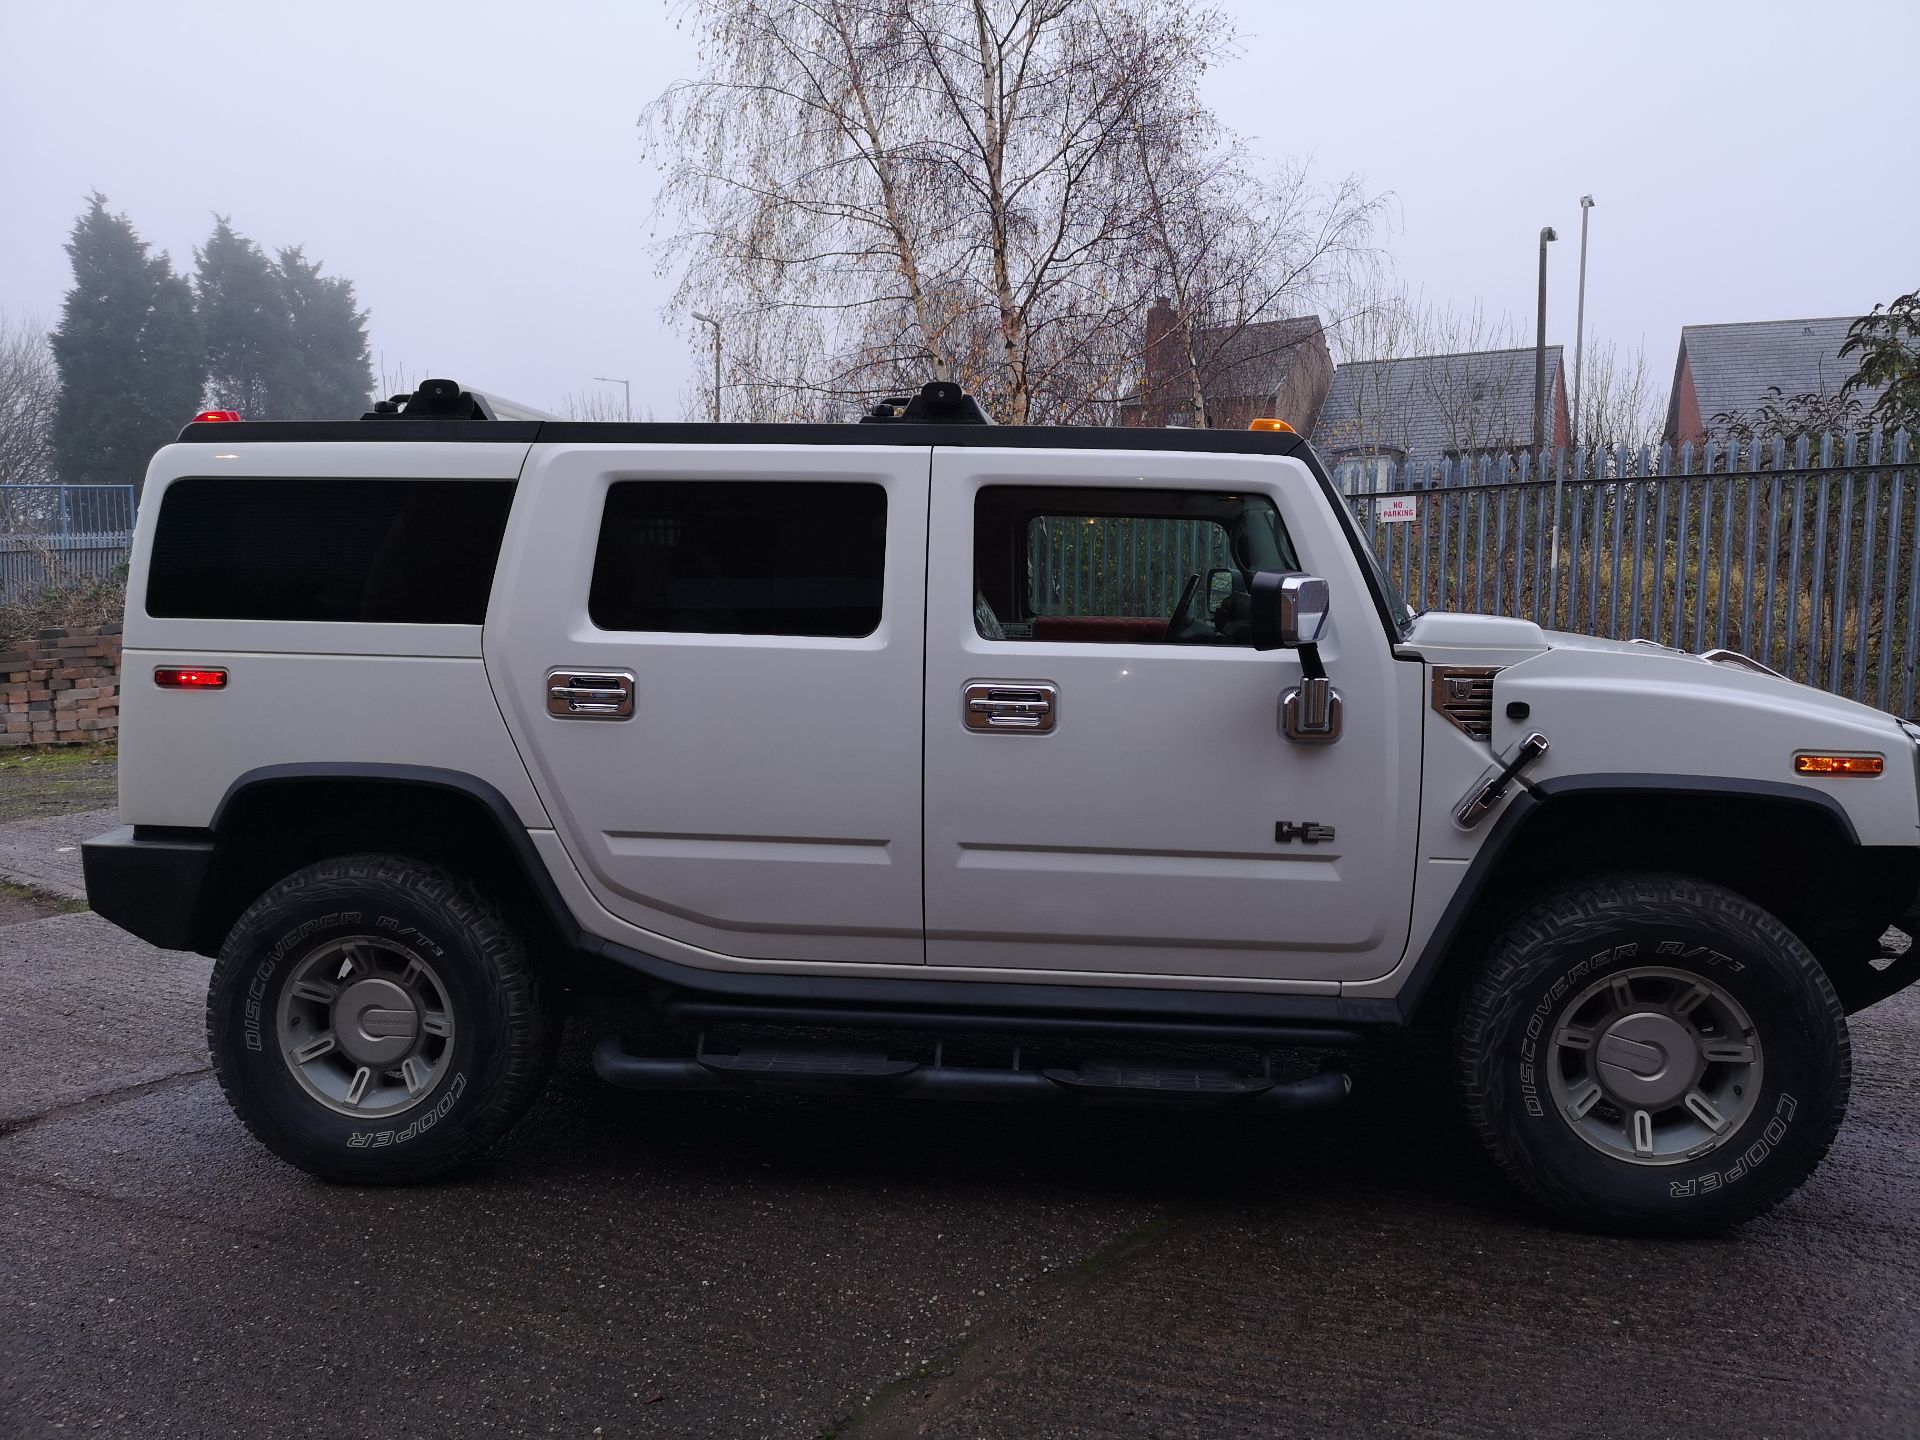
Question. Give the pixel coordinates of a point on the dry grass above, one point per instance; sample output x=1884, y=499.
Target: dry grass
x=91, y=602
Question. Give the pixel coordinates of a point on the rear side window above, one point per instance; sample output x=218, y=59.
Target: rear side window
x=385, y=551
x=741, y=558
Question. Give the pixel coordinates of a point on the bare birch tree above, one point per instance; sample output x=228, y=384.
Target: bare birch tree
x=1621, y=402
x=871, y=193
x=29, y=396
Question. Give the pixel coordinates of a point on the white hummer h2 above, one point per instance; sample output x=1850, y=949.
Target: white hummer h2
x=1112, y=750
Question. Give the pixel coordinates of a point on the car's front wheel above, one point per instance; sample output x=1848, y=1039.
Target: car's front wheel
x=1652, y=1054
x=374, y=1020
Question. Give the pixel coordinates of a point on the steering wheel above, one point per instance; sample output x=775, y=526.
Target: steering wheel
x=1174, y=626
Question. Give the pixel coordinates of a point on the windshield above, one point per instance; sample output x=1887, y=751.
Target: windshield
x=1398, y=611
x=1393, y=605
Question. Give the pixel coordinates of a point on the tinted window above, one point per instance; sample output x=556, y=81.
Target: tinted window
x=393, y=551
x=741, y=558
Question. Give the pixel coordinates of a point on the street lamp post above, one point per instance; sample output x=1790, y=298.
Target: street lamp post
x=1547, y=234
x=706, y=319
x=1580, y=316
x=1540, y=355
x=625, y=385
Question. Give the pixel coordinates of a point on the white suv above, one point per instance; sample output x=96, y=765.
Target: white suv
x=1109, y=750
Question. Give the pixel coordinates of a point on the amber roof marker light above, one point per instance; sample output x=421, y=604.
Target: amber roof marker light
x=1864, y=765
x=1269, y=424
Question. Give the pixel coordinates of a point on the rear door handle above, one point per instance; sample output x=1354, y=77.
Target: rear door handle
x=1015, y=707
x=590, y=694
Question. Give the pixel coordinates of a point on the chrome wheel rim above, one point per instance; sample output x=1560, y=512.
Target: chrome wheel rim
x=1654, y=1066
x=365, y=1026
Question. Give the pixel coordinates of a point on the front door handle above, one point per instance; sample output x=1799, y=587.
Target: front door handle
x=1016, y=707
x=590, y=694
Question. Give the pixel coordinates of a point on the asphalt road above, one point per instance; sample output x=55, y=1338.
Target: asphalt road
x=697, y=1266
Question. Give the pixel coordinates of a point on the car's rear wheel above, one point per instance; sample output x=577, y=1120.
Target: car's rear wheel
x=373, y=1019
x=1652, y=1054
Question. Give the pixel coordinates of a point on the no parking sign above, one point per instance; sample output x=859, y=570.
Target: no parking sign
x=1397, y=507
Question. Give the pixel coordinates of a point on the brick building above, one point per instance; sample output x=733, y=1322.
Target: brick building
x=1277, y=368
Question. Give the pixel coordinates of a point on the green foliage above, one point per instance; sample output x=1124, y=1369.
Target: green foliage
x=284, y=341
x=331, y=376
x=249, y=335
x=1888, y=344
x=129, y=352
x=1784, y=417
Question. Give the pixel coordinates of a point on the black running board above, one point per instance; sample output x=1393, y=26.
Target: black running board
x=910, y=1079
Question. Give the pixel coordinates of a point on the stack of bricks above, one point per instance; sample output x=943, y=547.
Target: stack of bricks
x=60, y=687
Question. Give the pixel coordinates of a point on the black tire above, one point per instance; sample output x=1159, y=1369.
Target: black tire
x=1544, y=960
x=500, y=1053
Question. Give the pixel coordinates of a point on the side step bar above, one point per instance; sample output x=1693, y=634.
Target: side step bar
x=871, y=1073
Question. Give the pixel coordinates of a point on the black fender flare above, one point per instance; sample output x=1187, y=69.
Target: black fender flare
x=1529, y=803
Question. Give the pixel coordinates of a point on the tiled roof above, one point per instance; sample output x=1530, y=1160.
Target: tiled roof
x=1734, y=366
x=1254, y=361
x=1427, y=406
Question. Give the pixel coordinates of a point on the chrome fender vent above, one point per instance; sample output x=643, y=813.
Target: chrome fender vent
x=1464, y=694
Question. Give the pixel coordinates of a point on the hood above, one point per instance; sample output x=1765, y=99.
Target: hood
x=1443, y=637
x=1454, y=637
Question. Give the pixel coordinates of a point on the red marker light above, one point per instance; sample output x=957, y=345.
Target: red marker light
x=189, y=677
x=207, y=417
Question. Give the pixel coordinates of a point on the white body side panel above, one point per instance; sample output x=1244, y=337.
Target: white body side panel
x=1623, y=712
x=764, y=800
x=1631, y=710
x=304, y=692
x=1140, y=834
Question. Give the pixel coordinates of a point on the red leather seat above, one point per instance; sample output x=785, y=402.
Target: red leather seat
x=1100, y=629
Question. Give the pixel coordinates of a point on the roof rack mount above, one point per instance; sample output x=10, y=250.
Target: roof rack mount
x=940, y=402
x=446, y=400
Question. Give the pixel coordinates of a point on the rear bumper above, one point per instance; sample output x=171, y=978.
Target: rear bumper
x=149, y=882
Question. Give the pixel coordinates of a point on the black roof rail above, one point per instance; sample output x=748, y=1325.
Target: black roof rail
x=940, y=402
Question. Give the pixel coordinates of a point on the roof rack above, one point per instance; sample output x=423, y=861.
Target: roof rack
x=940, y=402
x=445, y=400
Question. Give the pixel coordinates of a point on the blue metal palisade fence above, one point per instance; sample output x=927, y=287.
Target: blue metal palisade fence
x=53, y=537
x=1803, y=553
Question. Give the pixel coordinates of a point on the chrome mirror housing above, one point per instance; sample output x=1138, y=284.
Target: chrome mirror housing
x=1289, y=609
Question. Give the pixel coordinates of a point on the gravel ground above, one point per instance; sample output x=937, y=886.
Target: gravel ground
x=700, y=1266
x=58, y=781
x=691, y=1266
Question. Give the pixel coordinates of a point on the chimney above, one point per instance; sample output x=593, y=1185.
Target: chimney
x=1160, y=357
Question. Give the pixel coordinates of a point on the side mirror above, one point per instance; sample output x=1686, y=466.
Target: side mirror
x=1289, y=609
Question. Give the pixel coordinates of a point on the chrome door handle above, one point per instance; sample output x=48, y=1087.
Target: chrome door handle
x=590, y=694
x=1010, y=706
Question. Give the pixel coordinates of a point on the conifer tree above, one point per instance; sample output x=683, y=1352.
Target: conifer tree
x=128, y=349
x=330, y=376
x=249, y=337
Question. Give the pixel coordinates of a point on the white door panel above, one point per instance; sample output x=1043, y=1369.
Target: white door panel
x=1138, y=834
x=763, y=801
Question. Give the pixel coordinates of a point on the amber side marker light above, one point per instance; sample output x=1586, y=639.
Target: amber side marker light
x=189, y=677
x=1272, y=425
x=1838, y=764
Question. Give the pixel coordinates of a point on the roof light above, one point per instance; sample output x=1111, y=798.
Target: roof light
x=1839, y=764
x=189, y=677
x=208, y=417
x=1269, y=424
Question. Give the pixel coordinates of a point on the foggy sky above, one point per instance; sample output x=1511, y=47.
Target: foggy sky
x=476, y=171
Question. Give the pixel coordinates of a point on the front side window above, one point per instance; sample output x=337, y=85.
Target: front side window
x=1121, y=566
x=741, y=558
